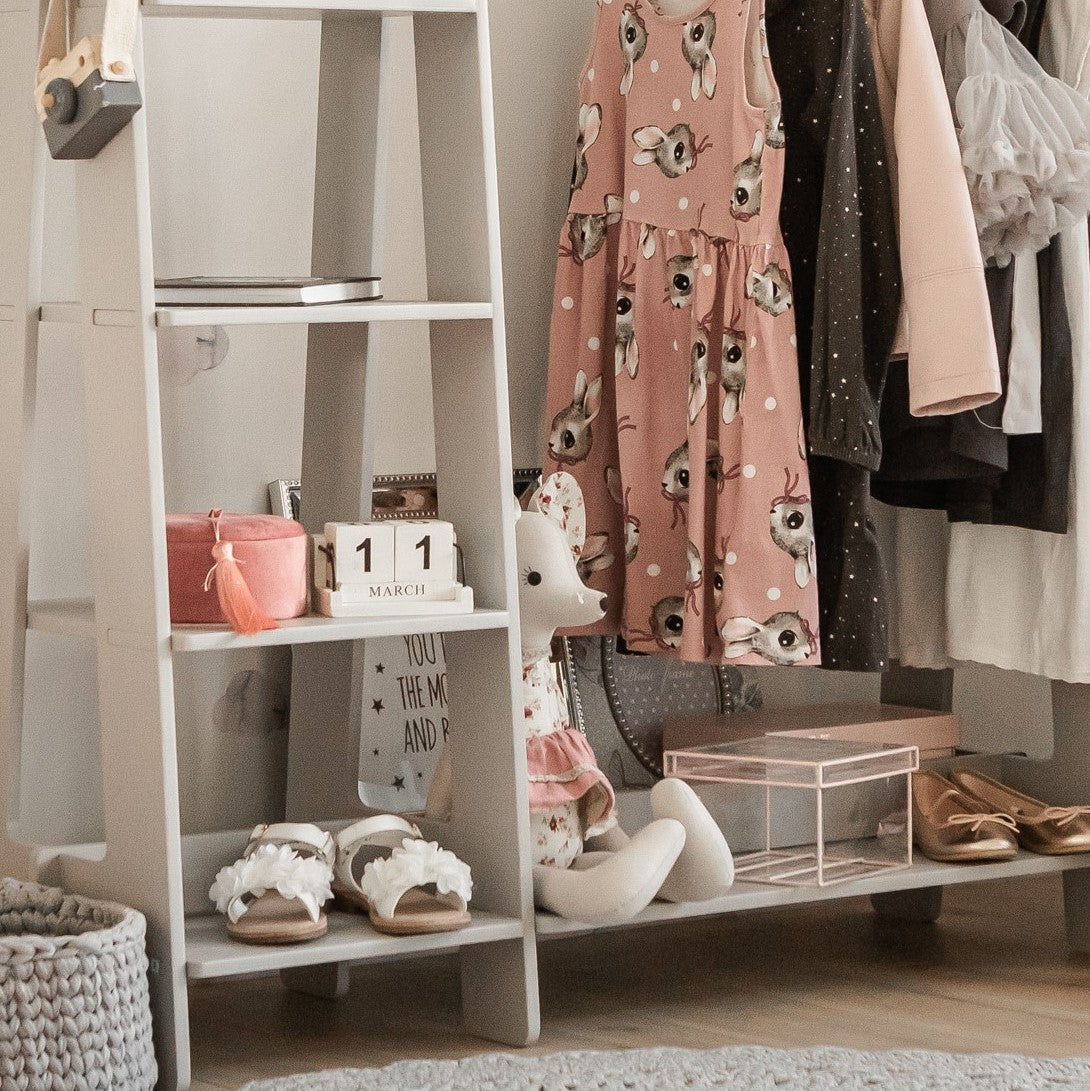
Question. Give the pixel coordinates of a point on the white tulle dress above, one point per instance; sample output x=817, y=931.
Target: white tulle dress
x=1024, y=135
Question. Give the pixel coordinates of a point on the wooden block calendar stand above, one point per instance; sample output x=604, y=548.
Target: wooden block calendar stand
x=146, y=861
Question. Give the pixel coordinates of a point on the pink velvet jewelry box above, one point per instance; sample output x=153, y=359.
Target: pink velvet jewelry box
x=272, y=556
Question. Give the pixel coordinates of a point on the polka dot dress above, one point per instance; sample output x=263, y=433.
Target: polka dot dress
x=673, y=391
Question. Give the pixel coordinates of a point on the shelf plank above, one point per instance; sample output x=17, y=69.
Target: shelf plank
x=76, y=618
x=62, y=617
x=314, y=630
x=377, y=311
x=742, y=896
x=301, y=9
x=210, y=952
x=380, y=310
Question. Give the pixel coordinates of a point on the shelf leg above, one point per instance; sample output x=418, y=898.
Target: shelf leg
x=920, y=906
x=328, y=982
x=499, y=992
x=1077, y=909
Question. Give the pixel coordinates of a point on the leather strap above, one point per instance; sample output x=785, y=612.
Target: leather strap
x=118, y=36
x=383, y=829
x=57, y=33
x=386, y=831
x=119, y=40
x=296, y=835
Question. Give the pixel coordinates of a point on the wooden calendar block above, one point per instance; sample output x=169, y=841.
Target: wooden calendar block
x=363, y=553
x=424, y=552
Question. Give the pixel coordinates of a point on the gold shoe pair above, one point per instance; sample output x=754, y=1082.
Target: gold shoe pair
x=1051, y=831
x=974, y=817
x=953, y=827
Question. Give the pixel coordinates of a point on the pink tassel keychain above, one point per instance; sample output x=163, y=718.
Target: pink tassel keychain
x=238, y=605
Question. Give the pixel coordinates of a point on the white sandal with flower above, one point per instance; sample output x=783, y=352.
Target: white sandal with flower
x=275, y=892
x=359, y=844
x=409, y=886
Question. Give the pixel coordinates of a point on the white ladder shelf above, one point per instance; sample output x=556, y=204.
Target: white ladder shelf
x=146, y=861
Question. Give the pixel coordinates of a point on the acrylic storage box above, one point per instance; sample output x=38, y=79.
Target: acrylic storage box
x=773, y=770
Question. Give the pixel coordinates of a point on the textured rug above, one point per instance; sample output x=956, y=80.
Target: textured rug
x=748, y=1068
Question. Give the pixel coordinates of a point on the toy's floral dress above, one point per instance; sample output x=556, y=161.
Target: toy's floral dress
x=673, y=391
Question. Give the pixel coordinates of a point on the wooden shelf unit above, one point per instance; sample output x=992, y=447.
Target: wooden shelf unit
x=146, y=861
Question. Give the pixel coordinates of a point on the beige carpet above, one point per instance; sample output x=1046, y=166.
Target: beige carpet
x=748, y=1068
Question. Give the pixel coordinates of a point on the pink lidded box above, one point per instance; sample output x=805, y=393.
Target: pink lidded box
x=272, y=556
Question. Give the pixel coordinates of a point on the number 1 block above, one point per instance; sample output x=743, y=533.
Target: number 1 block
x=424, y=552
x=364, y=552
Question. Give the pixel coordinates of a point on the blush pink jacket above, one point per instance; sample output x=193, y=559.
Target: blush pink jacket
x=945, y=327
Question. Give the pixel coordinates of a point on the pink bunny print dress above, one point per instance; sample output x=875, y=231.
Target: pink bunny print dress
x=673, y=393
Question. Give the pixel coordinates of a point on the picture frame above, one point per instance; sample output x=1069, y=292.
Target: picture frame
x=393, y=496
x=284, y=496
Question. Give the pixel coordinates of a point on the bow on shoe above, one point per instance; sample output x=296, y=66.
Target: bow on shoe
x=975, y=821
x=1062, y=816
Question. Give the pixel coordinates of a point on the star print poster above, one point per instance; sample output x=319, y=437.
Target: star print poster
x=405, y=723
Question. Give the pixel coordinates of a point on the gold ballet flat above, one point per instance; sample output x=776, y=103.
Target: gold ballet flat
x=954, y=828
x=1051, y=831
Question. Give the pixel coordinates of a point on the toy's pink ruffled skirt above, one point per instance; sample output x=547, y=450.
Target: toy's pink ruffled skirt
x=562, y=769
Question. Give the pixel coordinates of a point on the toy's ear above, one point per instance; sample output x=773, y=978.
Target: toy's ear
x=561, y=501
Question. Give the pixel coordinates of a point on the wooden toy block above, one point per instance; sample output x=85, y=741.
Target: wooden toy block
x=363, y=553
x=424, y=552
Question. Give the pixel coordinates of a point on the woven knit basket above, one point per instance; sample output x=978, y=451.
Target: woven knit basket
x=74, y=1010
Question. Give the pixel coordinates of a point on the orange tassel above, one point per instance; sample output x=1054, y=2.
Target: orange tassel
x=238, y=605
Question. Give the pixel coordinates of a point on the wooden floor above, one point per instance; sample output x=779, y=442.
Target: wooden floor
x=993, y=974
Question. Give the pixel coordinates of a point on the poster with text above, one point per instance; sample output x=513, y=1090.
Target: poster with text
x=405, y=722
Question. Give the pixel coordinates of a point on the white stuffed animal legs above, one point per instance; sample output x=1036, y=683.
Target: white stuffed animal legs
x=619, y=884
x=704, y=868
x=619, y=876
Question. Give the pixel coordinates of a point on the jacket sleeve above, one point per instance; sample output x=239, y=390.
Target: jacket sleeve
x=858, y=281
x=952, y=360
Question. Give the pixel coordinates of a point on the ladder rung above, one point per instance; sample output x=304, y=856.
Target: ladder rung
x=302, y=9
x=377, y=311
x=313, y=630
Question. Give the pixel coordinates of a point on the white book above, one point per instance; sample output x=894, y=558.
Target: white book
x=268, y=291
